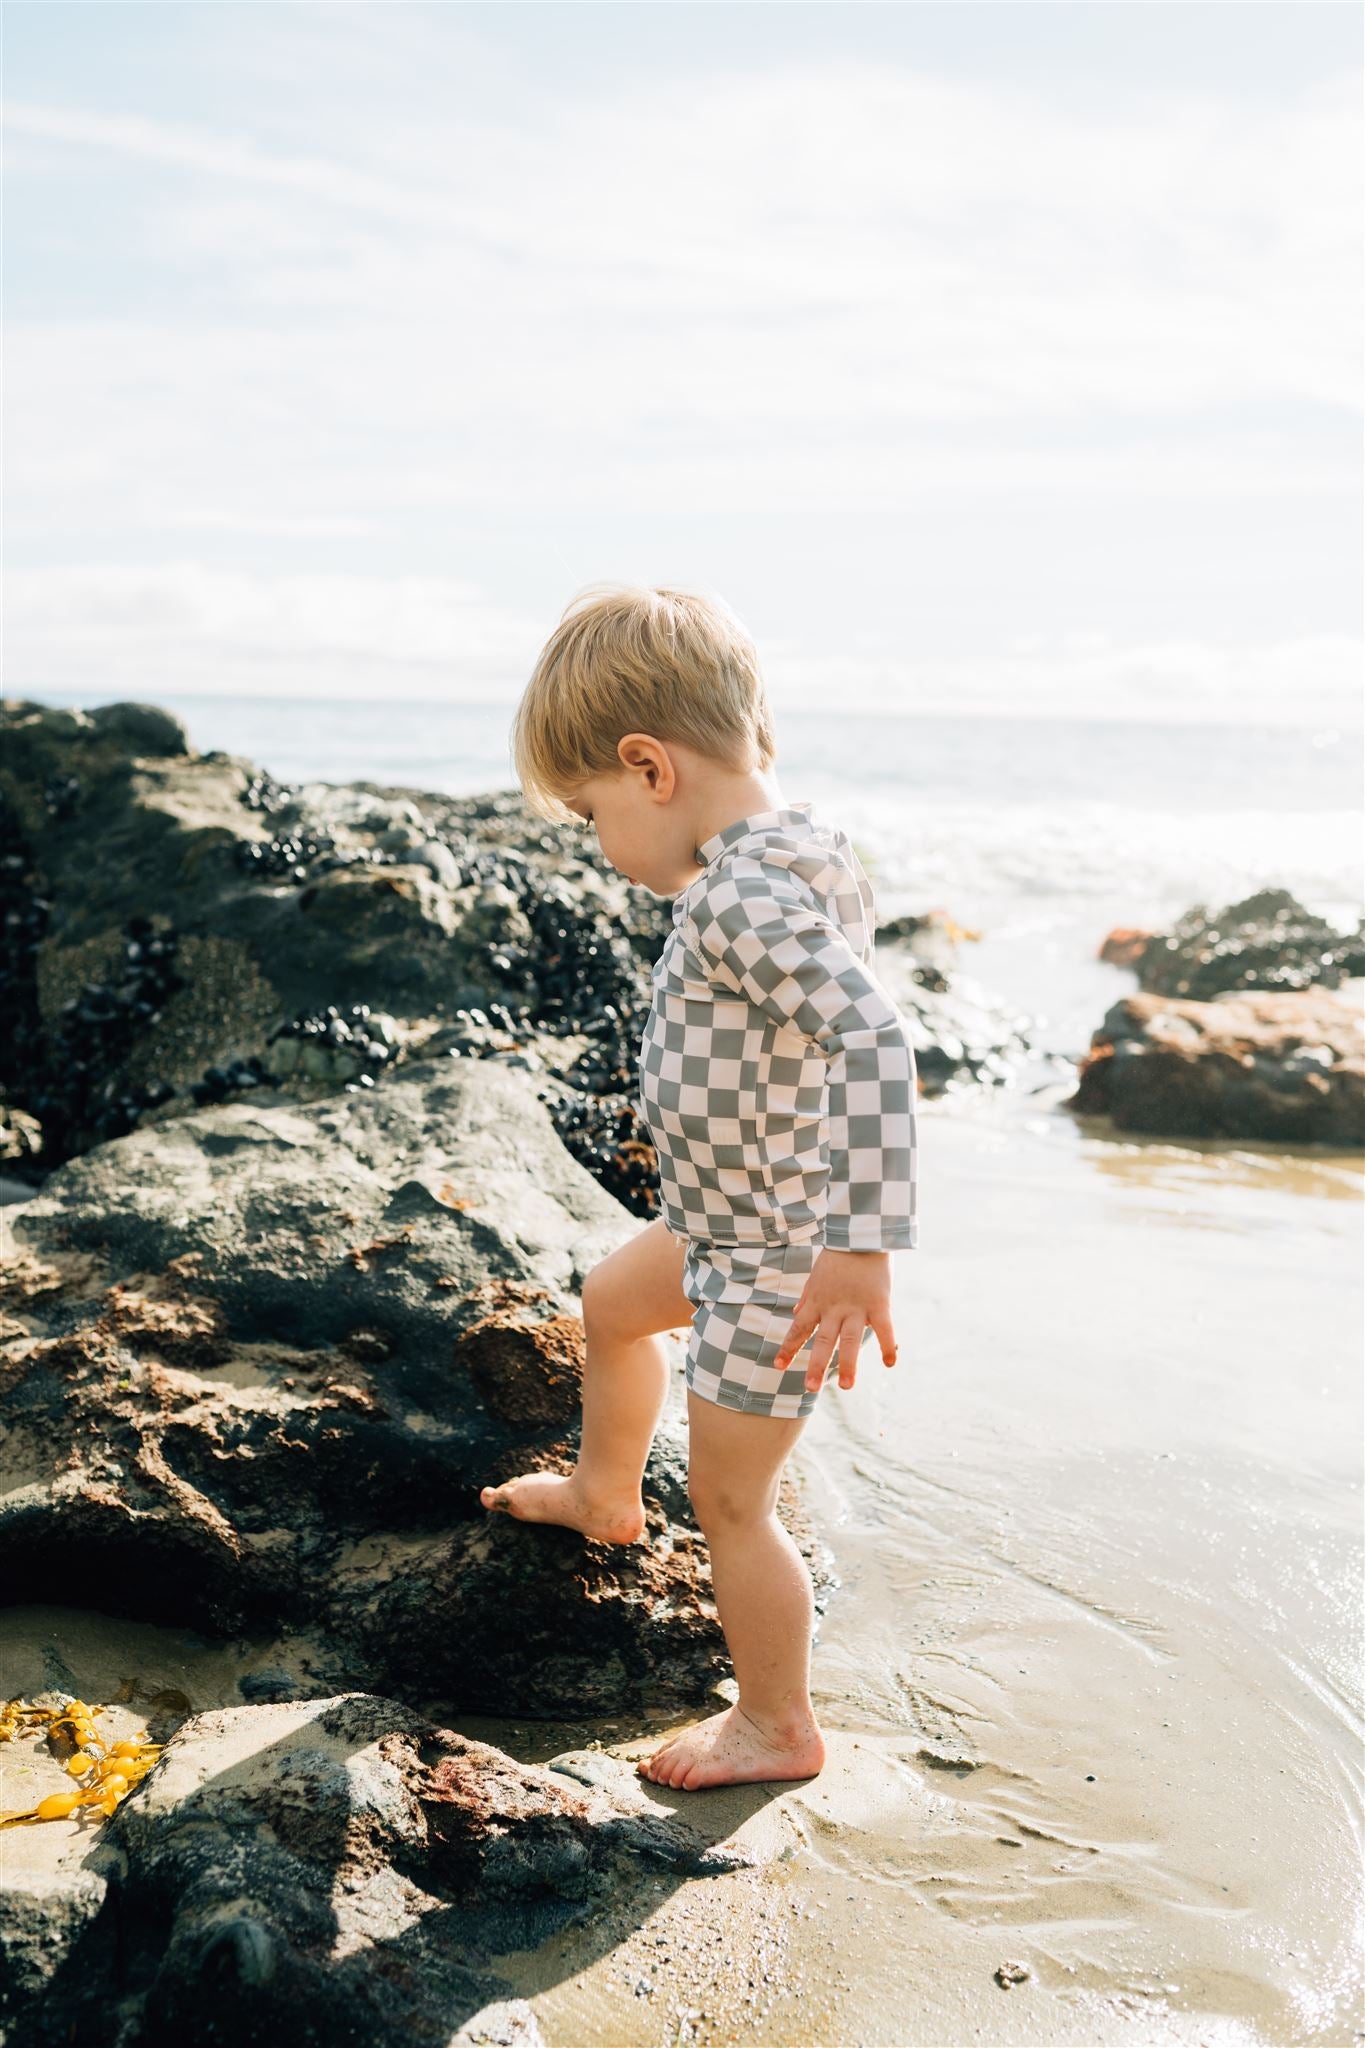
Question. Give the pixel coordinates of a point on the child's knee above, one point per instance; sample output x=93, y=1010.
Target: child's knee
x=610, y=1314
x=602, y=1298
x=722, y=1500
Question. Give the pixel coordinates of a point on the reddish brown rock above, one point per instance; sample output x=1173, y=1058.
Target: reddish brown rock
x=1125, y=945
x=1282, y=1068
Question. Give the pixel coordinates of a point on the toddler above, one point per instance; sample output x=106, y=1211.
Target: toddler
x=779, y=1088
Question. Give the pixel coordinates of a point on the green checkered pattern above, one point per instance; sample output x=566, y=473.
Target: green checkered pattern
x=777, y=1078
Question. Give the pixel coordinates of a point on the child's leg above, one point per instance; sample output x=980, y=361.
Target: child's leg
x=628, y=1299
x=763, y=1594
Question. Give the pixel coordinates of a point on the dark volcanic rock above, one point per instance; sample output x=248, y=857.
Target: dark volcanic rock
x=259, y=1361
x=1267, y=941
x=235, y=933
x=1287, y=1069
x=328, y=1872
x=963, y=1036
x=226, y=912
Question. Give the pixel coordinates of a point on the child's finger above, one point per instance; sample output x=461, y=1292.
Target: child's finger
x=800, y=1327
x=886, y=1336
x=821, y=1351
x=850, y=1337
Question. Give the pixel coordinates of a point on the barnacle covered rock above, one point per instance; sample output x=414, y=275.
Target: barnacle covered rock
x=1266, y=941
x=333, y=1870
x=258, y=1362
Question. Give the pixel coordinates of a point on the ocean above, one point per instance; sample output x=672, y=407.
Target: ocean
x=963, y=811
x=1038, y=834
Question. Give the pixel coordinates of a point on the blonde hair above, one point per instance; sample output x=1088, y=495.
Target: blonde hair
x=672, y=663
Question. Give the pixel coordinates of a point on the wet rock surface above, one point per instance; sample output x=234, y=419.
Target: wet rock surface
x=1237, y=1032
x=236, y=934
x=260, y=1360
x=1282, y=1068
x=963, y=1036
x=338, y=1870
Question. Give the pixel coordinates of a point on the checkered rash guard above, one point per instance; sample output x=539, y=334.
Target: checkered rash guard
x=776, y=1077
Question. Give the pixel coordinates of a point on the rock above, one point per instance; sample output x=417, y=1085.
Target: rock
x=932, y=936
x=55, y=1887
x=442, y=862
x=21, y=1136
x=142, y=728
x=1267, y=941
x=260, y=1360
x=1282, y=1068
x=1125, y=945
x=332, y=1871
x=225, y=910
x=258, y=1686
x=961, y=1034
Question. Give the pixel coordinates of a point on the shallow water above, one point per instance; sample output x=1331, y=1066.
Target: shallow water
x=1093, y=1670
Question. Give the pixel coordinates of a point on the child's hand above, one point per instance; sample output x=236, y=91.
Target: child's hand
x=843, y=1294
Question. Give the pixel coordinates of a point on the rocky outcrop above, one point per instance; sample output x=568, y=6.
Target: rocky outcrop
x=326, y=1872
x=257, y=1356
x=1286, y=1069
x=1267, y=941
x=233, y=933
x=259, y=1361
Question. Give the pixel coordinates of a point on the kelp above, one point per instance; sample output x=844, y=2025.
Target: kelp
x=106, y=1771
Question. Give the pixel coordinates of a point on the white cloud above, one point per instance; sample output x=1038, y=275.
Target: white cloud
x=754, y=290
x=1312, y=681
x=185, y=627
x=190, y=629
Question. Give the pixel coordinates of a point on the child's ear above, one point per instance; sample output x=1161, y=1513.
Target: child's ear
x=640, y=750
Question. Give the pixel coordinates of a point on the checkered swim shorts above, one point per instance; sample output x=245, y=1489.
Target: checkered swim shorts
x=745, y=1297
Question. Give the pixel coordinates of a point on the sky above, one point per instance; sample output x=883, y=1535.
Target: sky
x=981, y=357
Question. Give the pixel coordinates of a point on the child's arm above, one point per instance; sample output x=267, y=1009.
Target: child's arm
x=758, y=934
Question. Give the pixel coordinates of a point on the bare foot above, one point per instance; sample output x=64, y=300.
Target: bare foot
x=555, y=1497
x=730, y=1749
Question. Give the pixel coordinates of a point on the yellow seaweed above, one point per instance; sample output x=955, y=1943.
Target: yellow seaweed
x=108, y=1778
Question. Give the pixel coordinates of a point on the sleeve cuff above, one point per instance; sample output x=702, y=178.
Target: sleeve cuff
x=882, y=1238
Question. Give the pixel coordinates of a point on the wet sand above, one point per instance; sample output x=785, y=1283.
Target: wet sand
x=1089, y=1679
x=1091, y=1675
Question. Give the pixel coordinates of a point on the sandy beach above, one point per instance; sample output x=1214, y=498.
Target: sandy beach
x=1091, y=1667
x=1089, y=1673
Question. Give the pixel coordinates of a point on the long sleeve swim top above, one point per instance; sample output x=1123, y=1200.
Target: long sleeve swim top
x=777, y=1078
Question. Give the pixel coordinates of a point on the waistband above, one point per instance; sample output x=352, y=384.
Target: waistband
x=745, y=1244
